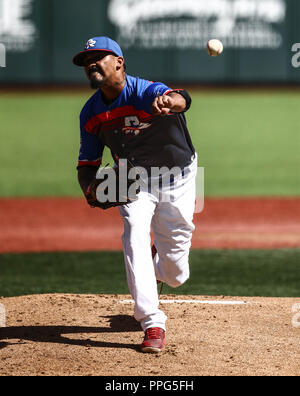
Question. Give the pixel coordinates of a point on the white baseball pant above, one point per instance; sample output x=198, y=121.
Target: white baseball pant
x=172, y=227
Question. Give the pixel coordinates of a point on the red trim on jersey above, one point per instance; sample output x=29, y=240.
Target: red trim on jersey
x=173, y=90
x=92, y=125
x=90, y=163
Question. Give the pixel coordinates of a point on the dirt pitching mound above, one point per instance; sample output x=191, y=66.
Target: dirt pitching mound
x=67, y=334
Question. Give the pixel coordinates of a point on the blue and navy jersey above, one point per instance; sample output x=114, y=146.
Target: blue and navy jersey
x=130, y=131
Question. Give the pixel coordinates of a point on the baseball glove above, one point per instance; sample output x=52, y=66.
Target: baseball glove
x=109, y=189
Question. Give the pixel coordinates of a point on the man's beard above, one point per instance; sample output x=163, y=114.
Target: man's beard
x=95, y=81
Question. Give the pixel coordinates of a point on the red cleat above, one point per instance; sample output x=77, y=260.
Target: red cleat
x=154, y=340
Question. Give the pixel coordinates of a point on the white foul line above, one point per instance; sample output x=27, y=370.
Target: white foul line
x=212, y=302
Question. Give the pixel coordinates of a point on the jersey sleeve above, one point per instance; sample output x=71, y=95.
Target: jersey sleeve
x=91, y=146
x=151, y=92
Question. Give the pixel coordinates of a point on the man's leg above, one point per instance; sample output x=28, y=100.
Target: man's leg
x=136, y=239
x=172, y=226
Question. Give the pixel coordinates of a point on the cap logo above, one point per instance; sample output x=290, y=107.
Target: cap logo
x=90, y=43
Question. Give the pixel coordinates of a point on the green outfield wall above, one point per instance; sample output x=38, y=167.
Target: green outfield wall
x=161, y=39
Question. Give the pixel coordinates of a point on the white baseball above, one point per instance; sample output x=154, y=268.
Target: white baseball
x=214, y=47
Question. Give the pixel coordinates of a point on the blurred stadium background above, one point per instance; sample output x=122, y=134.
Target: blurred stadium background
x=244, y=121
x=161, y=38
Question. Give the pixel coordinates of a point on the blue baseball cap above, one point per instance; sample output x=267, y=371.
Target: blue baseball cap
x=98, y=44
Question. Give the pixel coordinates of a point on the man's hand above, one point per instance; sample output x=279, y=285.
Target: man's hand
x=162, y=105
x=119, y=197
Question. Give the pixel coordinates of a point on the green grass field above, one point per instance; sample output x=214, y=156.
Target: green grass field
x=248, y=142
x=213, y=272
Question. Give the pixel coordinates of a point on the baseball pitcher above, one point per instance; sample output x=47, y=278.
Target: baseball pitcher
x=142, y=123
